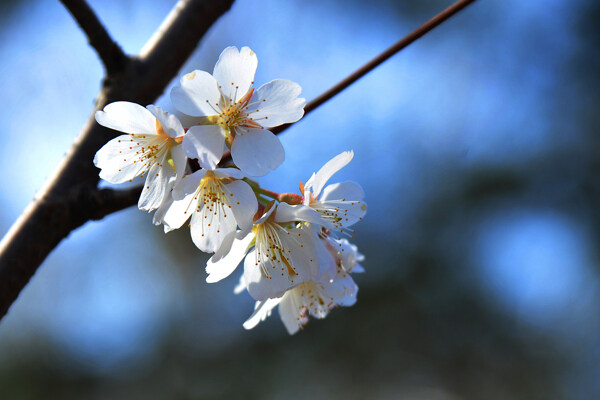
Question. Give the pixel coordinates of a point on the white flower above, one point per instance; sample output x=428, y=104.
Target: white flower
x=346, y=255
x=236, y=114
x=341, y=204
x=152, y=148
x=317, y=296
x=309, y=298
x=278, y=255
x=217, y=200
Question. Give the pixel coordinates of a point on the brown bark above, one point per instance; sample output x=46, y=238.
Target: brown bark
x=70, y=196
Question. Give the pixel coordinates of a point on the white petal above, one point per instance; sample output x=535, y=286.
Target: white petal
x=360, y=257
x=206, y=143
x=241, y=286
x=197, y=94
x=348, y=300
x=340, y=286
x=169, y=122
x=289, y=311
x=188, y=184
x=228, y=173
x=277, y=103
x=116, y=160
x=359, y=269
x=179, y=160
x=301, y=256
x=156, y=187
x=318, y=180
x=305, y=257
x=159, y=214
x=348, y=255
x=127, y=117
x=324, y=269
x=259, y=286
x=343, y=290
x=221, y=265
x=210, y=225
x=179, y=212
x=243, y=203
x=267, y=214
x=348, y=212
x=257, y=151
x=348, y=191
x=235, y=71
x=262, y=310
x=228, y=243
x=299, y=212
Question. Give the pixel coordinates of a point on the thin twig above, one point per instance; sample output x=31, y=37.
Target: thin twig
x=368, y=67
x=110, y=53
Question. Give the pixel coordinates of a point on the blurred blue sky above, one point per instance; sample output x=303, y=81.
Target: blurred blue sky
x=486, y=88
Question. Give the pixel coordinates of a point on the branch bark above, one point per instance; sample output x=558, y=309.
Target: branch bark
x=110, y=53
x=70, y=196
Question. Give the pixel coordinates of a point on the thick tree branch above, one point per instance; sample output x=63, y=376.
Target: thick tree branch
x=107, y=201
x=109, y=52
x=70, y=197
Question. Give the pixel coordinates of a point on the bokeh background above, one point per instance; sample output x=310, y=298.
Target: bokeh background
x=478, y=151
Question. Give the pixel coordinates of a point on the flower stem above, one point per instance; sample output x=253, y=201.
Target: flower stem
x=268, y=193
x=262, y=201
x=253, y=184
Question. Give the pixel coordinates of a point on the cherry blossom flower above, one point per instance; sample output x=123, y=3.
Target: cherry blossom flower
x=312, y=298
x=278, y=255
x=236, y=115
x=346, y=255
x=217, y=200
x=341, y=204
x=152, y=147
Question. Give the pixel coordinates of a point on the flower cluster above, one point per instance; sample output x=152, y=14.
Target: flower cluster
x=293, y=246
